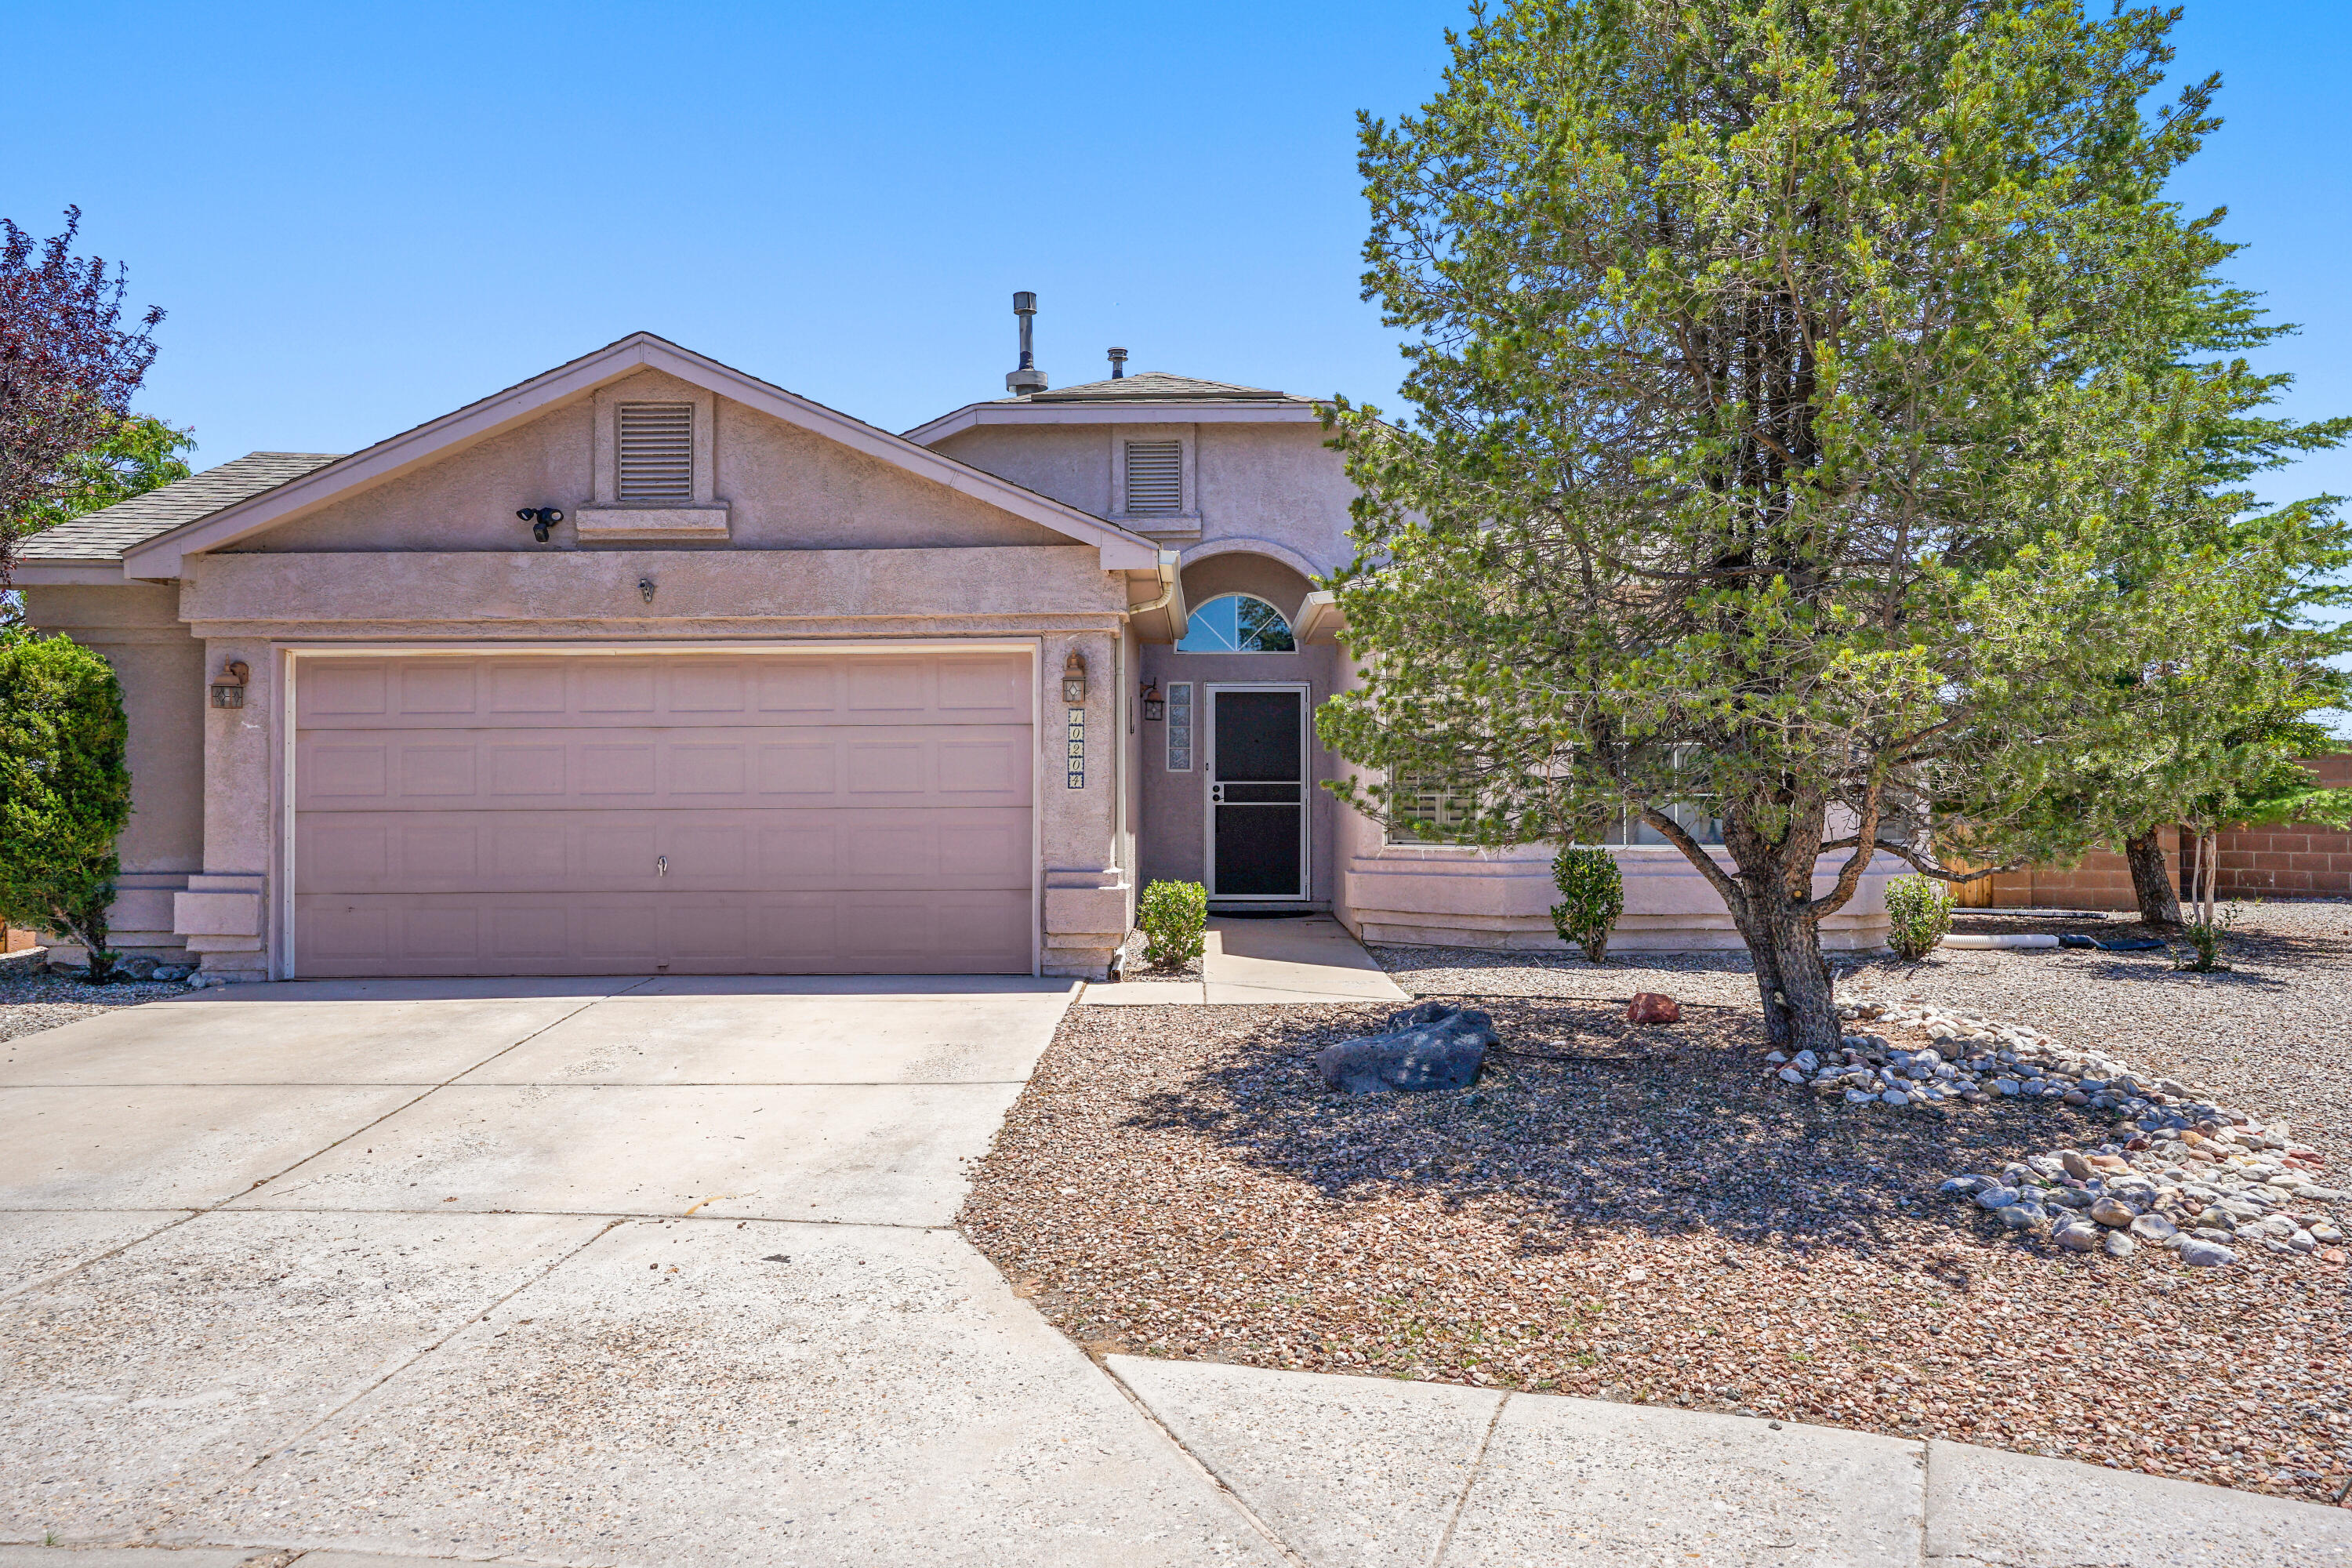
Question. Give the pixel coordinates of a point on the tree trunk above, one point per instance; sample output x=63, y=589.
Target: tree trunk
x=2159, y=901
x=1792, y=978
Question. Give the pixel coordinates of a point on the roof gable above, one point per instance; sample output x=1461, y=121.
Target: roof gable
x=161, y=555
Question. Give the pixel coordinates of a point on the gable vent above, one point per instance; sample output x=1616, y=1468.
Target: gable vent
x=1155, y=478
x=656, y=452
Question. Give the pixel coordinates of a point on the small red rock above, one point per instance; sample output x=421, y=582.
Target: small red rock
x=2333, y=1255
x=1653, y=1008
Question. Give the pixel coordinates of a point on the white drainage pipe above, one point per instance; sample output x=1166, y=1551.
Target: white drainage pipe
x=2005, y=939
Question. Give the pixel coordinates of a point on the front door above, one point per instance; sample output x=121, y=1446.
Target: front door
x=1257, y=792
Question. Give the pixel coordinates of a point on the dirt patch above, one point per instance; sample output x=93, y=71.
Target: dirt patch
x=1649, y=1219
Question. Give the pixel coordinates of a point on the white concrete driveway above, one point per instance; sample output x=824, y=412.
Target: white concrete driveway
x=574, y=1271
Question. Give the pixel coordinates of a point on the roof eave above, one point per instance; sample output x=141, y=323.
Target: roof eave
x=80, y=572
x=1122, y=411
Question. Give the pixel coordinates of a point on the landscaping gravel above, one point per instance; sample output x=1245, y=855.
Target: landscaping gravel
x=1647, y=1215
x=2275, y=1030
x=32, y=1000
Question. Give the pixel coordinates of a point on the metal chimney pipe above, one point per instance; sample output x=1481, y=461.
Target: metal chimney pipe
x=1118, y=364
x=1028, y=378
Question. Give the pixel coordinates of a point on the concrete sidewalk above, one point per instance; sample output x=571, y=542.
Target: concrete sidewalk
x=1314, y=959
x=1374, y=1473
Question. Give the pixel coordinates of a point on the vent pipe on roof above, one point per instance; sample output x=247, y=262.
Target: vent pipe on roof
x=1119, y=364
x=1028, y=378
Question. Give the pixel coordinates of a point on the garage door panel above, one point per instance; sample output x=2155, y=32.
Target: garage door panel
x=722, y=813
x=444, y=770
x=984, y=933
x=820, y=850
x=524, y=691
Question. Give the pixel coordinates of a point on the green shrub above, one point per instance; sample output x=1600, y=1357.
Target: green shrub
x=65, y=789
x=1918, y=913
x=2205, y=939
x=1592, y=896
x=1173, y=916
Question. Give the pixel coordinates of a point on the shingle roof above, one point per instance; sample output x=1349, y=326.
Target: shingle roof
x=105, y=534
x=1156, y=385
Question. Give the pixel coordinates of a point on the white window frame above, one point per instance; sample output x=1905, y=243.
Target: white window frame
x=1239, y=652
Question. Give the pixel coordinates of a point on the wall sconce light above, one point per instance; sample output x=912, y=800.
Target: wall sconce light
x=645, y=589
x=228, y=688
x=1074, y=679
x=1155, y=706
x=541, y=519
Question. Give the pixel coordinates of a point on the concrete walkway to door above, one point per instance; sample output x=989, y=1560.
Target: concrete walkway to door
x=1310, y=958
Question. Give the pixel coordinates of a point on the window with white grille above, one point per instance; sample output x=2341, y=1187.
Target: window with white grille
x=1155, y=478
x=656, y=452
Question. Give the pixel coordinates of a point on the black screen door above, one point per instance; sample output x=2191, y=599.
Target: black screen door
x=1257, y=795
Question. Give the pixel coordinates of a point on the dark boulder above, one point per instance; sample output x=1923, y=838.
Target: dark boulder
x=1433, y=1046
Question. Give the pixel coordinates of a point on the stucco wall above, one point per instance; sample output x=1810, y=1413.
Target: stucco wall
x=1277, y=483
x=1070, y=463
x=785, y=488
x=696, y=594
x=1241, y=571
x=163, y=676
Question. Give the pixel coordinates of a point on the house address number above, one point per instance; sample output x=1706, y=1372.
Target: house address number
x=1077, y=758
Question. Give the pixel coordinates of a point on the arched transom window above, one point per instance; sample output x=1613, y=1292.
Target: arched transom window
x=1237, y=622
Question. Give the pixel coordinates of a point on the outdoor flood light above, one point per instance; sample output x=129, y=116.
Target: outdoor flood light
x=541, y=519
x=1155, y=706
x=228, y=686
x=1073, y=680
x=645, y=589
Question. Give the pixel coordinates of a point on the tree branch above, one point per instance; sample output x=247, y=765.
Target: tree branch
x=1849, y=875
x=1734, y=897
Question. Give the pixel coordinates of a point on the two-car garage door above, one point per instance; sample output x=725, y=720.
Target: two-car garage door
x=627, y=814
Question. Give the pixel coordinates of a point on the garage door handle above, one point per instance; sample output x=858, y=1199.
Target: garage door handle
x=661, y=865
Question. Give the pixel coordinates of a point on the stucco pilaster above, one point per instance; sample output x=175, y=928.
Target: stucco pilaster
x=1088, y=890
x=225, y=914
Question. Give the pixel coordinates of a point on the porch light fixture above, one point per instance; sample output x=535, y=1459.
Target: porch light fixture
x=1074, y=679
x=228, y=688
x=1155, y=706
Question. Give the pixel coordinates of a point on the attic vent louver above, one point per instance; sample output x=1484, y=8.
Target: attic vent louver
x=656, y=452
x=1155, y=478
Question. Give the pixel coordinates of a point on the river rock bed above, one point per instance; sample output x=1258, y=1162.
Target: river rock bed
x=2182, y=1173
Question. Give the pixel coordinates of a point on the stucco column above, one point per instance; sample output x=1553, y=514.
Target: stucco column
x=224, y=913
x=1087, y=889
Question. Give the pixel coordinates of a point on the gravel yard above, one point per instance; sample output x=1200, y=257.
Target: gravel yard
x=1654, y=1219
x=31, y=1000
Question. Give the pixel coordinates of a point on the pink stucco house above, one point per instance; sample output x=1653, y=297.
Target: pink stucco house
x=649, y=666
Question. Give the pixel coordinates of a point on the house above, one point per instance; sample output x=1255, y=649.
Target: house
x=647, y=665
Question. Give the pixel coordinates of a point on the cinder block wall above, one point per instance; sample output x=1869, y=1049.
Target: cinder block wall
x=2102, y=882
x=2300, y=860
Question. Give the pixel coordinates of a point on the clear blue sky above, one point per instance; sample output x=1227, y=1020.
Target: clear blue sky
x=360, y=217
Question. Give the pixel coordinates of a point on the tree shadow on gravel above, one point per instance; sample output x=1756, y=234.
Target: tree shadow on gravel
x=1666, y=1130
